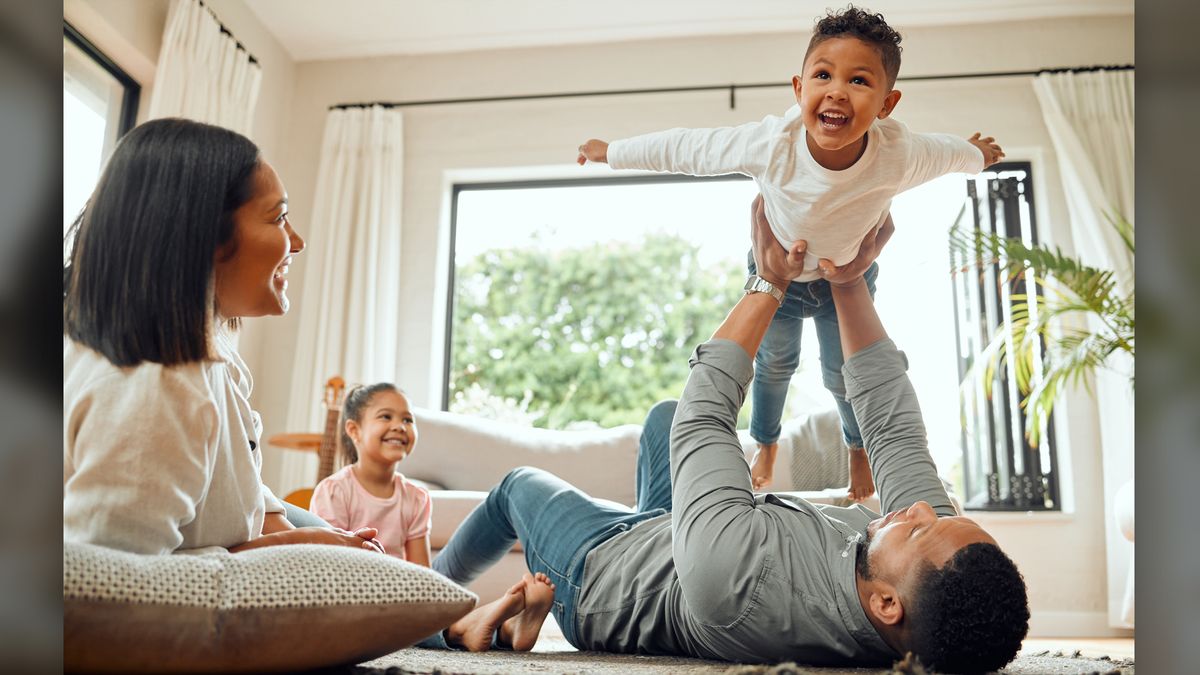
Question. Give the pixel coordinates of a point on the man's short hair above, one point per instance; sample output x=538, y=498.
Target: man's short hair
x=870, y=28
x=972, y=614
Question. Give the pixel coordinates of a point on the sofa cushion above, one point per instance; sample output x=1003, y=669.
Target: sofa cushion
x=468, y=453
x=450, y=509
x=275, y=608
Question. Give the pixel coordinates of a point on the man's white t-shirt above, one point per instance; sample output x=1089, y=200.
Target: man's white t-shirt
x=831, y=210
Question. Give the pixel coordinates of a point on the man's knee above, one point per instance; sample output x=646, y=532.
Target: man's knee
x=661, y=414
x=519, y=475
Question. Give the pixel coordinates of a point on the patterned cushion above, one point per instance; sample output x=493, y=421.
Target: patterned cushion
x=275, y=608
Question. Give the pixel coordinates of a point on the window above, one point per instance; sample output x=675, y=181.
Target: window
x=99, y=105
x=1001, y=470
x=578, y=302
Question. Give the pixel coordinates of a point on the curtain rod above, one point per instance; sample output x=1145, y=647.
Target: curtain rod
x=226, y=31
x=731, y=88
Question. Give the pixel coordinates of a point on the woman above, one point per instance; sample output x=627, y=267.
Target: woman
x=186, y=233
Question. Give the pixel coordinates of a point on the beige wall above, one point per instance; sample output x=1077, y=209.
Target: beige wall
x=1061, y=555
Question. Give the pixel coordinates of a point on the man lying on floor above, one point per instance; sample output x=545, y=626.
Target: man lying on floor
x=703, y=567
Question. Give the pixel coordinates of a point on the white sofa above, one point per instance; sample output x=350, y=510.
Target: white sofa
x=462, y=457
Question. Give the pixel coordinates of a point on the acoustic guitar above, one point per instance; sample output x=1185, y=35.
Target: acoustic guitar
x=327, y=451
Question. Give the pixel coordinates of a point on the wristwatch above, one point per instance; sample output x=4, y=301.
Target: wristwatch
x=757, y=284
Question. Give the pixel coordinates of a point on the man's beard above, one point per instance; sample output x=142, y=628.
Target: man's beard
x=862, y=565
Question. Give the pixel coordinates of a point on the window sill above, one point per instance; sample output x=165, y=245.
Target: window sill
x=1015, y=517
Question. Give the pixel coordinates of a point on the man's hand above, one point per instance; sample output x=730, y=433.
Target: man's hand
x=991, y=152
x=596, y=150
x=774, y=263
x=868, y=251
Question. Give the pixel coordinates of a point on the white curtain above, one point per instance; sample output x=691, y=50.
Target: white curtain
x=202, y=74
x=1090, y=119
x=349, y=313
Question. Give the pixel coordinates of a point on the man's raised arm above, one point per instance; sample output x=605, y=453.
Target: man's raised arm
x=885, y=404
x=716, y=531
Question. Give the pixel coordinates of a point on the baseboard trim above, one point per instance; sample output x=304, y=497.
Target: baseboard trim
x=1073, y=624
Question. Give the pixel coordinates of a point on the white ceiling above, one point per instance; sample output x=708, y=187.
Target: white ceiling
x=313, y=30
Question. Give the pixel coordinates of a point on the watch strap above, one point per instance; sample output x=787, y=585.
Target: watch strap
x=757, y=284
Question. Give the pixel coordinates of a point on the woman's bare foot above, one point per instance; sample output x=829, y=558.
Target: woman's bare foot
x=762, y=468
x=475, y=631
x=861, y=483
x=521, y=631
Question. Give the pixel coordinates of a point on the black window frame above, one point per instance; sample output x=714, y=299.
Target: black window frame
x=132, y=90
x=1012, y=469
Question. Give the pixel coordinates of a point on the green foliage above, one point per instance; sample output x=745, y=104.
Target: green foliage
x=1069, y=288
x=595, y=334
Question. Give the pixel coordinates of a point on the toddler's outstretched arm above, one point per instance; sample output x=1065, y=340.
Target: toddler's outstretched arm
x=594, y=150
x=991, y=152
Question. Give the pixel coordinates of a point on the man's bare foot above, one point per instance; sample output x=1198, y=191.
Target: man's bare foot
x=861, y=484
x=762, y=467
x=475, y=631
x=521, y=632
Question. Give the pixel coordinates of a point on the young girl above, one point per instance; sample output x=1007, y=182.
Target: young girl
x=378, y=431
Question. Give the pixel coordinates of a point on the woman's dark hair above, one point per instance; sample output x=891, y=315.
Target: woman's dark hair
x=138, y=285
x=357, y=400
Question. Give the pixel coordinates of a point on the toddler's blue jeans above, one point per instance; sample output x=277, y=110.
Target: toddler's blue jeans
x=779, y=355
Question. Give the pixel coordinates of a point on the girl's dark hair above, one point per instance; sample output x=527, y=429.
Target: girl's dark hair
x=357, y=400
x=138, y=285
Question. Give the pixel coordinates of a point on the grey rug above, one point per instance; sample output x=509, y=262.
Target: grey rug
x=551, y=657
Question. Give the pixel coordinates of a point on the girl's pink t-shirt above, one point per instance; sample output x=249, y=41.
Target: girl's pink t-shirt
x=343, y=502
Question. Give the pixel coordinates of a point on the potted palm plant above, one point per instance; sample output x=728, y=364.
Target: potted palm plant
x=1073, y=349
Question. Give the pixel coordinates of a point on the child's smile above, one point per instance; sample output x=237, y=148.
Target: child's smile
x=843, y=89
x=388, y=430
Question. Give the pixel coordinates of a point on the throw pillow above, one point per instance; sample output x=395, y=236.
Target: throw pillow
x=275, y=608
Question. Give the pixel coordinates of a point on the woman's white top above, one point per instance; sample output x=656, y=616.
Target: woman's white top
x=161, y=459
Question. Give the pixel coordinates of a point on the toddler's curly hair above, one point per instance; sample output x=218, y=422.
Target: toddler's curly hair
x=861, y=24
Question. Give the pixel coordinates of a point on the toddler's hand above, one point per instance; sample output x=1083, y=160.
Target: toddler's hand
x=595, y=150
x=991, y=152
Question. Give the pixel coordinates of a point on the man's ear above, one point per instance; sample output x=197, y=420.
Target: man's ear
x=889, y=103
x=885, y=604
x=796, y=86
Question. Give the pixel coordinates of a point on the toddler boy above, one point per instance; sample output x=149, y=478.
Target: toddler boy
x=827, y=170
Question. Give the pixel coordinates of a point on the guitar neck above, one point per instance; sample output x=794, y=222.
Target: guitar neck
x=325, y=454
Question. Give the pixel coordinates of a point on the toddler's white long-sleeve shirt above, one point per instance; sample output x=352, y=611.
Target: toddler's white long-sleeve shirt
x=831, y=210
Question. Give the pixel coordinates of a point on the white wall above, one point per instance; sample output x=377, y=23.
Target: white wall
x=1062, y=555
